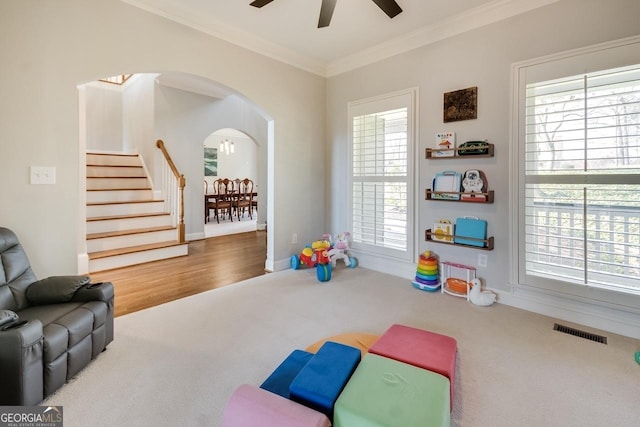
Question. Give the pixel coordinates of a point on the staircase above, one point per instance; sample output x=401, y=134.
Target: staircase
x=125, y=225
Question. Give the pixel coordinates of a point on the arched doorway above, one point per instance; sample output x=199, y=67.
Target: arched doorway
x=182, y=110
x=232, y=154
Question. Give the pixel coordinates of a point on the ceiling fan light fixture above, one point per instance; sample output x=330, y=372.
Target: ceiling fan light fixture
x=390, y=7
x=326, y=12
x=260, y=3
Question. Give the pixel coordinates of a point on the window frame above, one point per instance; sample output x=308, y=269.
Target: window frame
x=403, y=98
x=604, y=56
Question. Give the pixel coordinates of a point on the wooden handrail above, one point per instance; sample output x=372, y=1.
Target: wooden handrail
x=165, y=153
x=181, y=184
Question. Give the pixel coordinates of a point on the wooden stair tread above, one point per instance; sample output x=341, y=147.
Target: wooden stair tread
x=113, y=166
x=124, y=202
x=124, y=177
x=120, y=189
x=134, y=249
x=117, y=177
x=141, y=215
x=93, y=153
x=128, y=232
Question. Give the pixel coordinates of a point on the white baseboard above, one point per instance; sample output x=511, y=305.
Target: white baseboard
x=372, y=262
x=610, y=319
x=618, y=321
x=194, y=236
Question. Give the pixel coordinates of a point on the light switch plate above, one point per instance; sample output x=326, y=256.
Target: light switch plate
x=43, y=175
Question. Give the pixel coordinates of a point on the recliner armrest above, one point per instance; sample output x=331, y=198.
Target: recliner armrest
x=7, y=317
x=101, y=291
x=55, y=289
x=21, y=349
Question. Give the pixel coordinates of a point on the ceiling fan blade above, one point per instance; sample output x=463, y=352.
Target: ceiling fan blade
x=390, y=7
x=260, y=3
x=326, y=12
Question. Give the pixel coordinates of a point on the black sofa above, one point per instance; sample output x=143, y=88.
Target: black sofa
x=49, y=329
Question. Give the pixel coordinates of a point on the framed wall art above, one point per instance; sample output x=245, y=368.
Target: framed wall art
x=210, y=161
x=461, y=105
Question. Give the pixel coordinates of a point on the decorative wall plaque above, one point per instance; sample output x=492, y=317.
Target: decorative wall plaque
x=461, y=105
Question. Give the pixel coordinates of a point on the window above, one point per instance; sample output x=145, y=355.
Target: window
x=579, y=169
x=381, y=174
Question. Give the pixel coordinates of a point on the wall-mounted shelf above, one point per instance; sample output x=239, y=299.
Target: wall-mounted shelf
x=488, y=243
x=456, y=153
x=428, y=195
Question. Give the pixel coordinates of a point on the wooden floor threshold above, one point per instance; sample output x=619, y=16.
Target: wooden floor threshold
x=133, y=249
x=118, y=233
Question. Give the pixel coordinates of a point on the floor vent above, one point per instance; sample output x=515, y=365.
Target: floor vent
x=579, y=333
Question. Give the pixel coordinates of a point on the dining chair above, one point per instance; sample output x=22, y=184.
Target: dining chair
x=223, y=198
x=245, y=197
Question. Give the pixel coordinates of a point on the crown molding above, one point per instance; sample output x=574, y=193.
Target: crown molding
x=472, y=19
x=174, y=11
x=461, y=23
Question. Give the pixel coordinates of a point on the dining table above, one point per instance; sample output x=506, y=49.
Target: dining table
x=211, y=197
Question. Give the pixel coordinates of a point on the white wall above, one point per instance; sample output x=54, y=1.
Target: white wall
x=481, y=58
x=104, y=117
x=49, y=48
x=120, y=118
x=138, y=115
x=184, y=121
x=242, y=163
x=237, y=113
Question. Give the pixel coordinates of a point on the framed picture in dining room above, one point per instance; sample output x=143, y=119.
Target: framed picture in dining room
x=210, y=161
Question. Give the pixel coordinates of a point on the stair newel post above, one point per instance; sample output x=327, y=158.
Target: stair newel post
x=182, y=183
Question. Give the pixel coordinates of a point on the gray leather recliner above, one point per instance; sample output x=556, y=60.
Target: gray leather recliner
x=49, y=329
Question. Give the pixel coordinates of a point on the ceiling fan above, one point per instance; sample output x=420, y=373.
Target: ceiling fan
x=390, y=7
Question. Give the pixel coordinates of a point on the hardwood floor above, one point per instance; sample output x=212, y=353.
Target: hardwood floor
x=211, y=263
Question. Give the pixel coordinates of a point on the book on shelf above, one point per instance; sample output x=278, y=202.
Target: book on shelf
x=445, y=144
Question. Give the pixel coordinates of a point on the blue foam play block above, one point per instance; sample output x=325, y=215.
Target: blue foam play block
x=278, y=382
x=320, y=382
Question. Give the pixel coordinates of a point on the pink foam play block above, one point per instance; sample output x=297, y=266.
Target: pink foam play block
x=417, y=347
x=251, y=406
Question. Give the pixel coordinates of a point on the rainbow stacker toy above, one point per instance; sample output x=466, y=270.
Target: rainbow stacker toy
x=427, y=273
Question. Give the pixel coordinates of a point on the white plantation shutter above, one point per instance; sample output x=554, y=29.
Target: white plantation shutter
x=581, y=197
x=381, y=156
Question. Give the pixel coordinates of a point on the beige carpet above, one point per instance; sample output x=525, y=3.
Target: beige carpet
x=177, y=364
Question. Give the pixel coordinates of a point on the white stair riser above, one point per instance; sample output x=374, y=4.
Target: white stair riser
x=118, y=196
x=111, y=159
x=114, y=171
x=116, y=183
x=117, y=242
x=125, y=209
x=115, y=186
x=122, y=224
x=137, y=258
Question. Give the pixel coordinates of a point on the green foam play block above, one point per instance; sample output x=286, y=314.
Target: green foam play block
x=383, y=392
